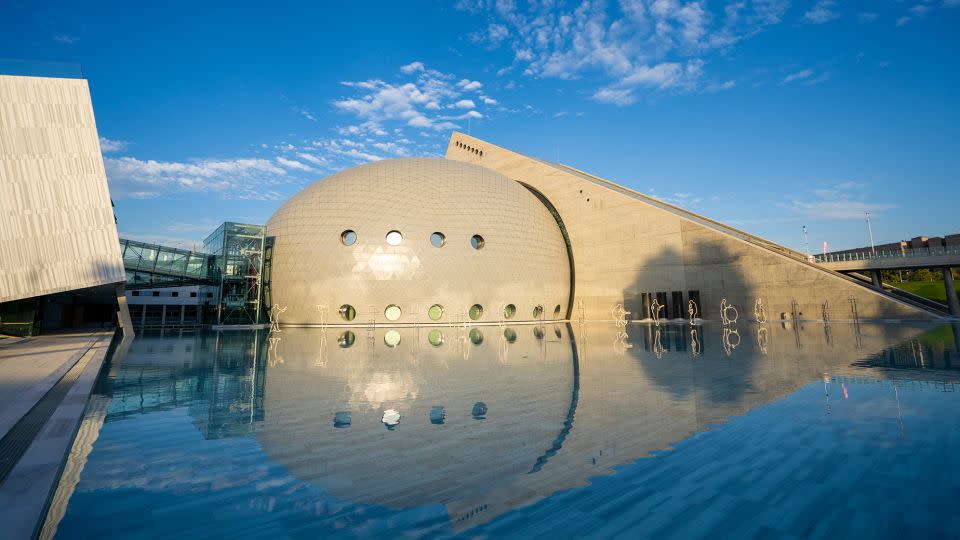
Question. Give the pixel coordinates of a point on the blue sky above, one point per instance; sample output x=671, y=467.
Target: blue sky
x=766, y=114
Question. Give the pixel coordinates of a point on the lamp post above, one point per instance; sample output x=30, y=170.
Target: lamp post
x=873, y=250
x=806, y=241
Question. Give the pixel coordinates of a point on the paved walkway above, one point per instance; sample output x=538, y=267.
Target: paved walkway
x=30, y=368
x=28, y=371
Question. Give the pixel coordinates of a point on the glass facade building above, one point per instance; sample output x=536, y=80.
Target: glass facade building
x=237, y=251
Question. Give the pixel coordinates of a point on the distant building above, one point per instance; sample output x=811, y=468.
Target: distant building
x=932, y=243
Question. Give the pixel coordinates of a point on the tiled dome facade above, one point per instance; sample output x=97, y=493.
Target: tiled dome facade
x=522, y=259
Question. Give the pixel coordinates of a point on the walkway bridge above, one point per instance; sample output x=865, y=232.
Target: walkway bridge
x=872, y=262
x=154, y=265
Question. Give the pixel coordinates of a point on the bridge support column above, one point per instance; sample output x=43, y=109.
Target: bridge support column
x=952, y=302
x=875, y=276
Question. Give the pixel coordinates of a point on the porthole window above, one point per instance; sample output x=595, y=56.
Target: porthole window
x=438, y=239
x=346, y=339
x=476, y=311
x=347, y=312
x=392, y=312
x=476, y=337
x=394, y=238
x=509, y=311
x=538, y=311
x=476, y=241
x=435, y=312
x=510, y=335
x=391, y=338
x=348, y=237
x=435, y=337
x=556, y=311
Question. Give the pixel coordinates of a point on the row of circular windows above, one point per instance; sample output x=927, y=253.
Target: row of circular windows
x=476, y=151
x=393, y=312
x=394, y=238
x=435, y=337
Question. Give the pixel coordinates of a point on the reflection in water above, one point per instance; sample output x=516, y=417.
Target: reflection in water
x=501, y=436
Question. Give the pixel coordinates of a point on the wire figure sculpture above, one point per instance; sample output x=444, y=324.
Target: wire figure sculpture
x=655, y=309
x=322, y=314
x=658, y=348
x=759, y=312
x=275, y=313
x=762, y=339
x=621, y=342
x=731, y=340
x=620, y=315
x=725, y=311
x=272, y=357
x=695, y=345
x=693, y=310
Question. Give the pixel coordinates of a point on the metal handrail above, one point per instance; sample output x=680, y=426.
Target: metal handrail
x=894, y=254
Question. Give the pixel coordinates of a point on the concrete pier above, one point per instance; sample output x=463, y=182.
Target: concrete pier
x=952, y=302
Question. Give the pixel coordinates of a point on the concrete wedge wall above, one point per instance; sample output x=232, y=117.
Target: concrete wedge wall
x=625, y=244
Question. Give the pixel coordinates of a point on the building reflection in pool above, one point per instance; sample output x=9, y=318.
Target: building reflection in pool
x=553, y=413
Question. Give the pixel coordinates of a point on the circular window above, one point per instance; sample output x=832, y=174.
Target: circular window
x=476, y=311
x=556, y=311
x=346, y=339
x=538, y=332
x=391, y=338
x=394, y=238
x=438, y=239
x=476, y=241
x=476, y=337
x=538, y=311
x=348, y=237
x=509, y=311
x=347, y=312
x=479, y=410
x=435, y=312
x=392, y=312
x=435, y=337
x=509, y=335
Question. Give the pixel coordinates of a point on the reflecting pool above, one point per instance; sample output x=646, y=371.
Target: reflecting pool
x=556, y=430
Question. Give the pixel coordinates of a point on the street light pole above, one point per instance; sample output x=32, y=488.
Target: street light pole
x=806, y=241
x=873, y=249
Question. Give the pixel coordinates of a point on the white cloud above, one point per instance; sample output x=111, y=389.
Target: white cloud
x=316, y=160
x=65, y=39
x=838, y=201
x=293, y=164
x=469, y=85
x=245, y=178
x=112, y=145
x=903, y=20
x=415, y=103
x=821, y=12
x=797, y=76
x=867, y=17
x=412, y=67
x=650, y=44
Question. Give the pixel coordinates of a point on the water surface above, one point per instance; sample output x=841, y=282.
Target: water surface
x=562, y=430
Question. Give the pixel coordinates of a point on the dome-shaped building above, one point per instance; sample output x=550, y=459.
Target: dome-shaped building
x=410, y=241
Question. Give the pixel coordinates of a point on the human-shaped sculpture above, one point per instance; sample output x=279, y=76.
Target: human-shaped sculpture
x=620, y=315
x=658, y=348
x=695, y=345
x=275, y=313
x=693, y=310
x=726, y=310
x=760, y=312
x=655, y=309
x=731, y=340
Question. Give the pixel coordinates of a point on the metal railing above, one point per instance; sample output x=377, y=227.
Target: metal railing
x=891, y=254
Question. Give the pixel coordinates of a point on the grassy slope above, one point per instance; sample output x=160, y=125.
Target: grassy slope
x=933, y=290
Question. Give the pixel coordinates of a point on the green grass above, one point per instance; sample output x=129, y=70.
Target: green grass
x=933, y=290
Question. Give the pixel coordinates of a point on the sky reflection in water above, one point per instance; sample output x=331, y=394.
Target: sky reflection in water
x=580, y=430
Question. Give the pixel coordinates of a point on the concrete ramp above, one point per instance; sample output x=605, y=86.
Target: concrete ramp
x=633, y=250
